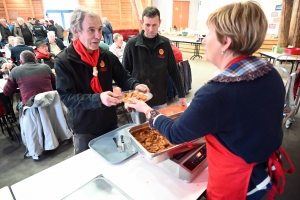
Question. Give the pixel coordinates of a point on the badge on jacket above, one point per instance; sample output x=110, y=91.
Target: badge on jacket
x=102, y=66
x=161, y=53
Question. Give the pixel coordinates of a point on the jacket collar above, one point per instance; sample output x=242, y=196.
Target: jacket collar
x=140, y=40
x=244, y=70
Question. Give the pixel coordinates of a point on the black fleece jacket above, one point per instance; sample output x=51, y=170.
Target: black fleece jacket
x=152, y=68
x=87, y=114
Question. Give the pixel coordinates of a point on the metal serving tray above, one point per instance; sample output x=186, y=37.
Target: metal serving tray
x=98, y=188
x=105, y=146
x=164, y=155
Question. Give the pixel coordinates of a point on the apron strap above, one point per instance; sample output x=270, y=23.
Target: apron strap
x=278, y=173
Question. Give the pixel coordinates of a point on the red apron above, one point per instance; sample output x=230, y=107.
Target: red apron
x=228, y=174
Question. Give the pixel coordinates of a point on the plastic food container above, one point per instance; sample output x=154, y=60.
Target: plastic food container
x=294, y=51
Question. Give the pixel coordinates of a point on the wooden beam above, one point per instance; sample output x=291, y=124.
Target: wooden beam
x=32, y=11
x=100, y=8
x=6, y=13
x=283, y=32
x=120, y=13
x=294, y=33
x=44, y=14
x=139, y=7
x=136, y=14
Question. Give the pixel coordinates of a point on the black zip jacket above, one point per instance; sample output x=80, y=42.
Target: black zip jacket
x=152, y=68
x=5, y=32
x=87, y=114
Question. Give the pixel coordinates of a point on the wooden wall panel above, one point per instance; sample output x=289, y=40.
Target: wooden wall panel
x=118, y=12
x=21, y=8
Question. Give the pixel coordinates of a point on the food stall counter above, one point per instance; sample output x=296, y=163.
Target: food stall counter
x=135, y=176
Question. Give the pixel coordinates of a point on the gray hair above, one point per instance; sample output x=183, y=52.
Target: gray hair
x=50, y=33
x=78, y=17
x=19, y=40
x=20, y=19
x=27, y=56
x=116, y=36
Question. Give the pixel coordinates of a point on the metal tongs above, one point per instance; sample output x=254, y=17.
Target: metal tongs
x=122, y=143
x=119, y=148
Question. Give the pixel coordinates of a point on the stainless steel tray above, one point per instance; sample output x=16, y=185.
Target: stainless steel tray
x=105, y=146
x=98, y=188
x=164, y=155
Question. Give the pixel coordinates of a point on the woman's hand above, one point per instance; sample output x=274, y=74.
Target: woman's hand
x=142, y=88
x=138, y=105
x=109, y=99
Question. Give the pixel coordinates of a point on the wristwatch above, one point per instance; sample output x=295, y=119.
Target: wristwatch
x=153, y=114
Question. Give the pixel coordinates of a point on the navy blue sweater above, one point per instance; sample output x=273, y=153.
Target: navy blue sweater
x=244, y=116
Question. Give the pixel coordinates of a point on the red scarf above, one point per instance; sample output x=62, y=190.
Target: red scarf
x=91, y=60
x=41, y=55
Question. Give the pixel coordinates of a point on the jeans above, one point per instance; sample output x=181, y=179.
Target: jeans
x=139, y=118
x=108, y=39
x=3, y=44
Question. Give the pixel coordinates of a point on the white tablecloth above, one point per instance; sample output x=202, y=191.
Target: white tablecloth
x=136, y=177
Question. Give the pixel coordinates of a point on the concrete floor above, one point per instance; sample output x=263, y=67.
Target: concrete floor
x=14, y=168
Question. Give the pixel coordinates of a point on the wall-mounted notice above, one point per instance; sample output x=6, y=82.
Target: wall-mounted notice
x=272, y=26
x=276, y=20
x=274, y=14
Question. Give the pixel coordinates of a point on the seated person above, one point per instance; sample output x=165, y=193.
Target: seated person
x=18, y=48
x=31, y=78
x=43, y=55
x=55, y=45
x=118, y=46
x=8, y=46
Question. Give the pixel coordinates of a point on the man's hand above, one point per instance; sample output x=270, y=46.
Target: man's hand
x=109, y=99
x=182, y=102
x=6, y=66
x=142, y=88
x=117, y=90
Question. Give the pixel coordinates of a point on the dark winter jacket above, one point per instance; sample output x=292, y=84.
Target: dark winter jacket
x=87, y=114
x=152, y=68
x=5, y=32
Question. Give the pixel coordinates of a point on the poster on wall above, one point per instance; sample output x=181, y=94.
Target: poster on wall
x=272, y=26
x=276, y=20
x=274, y=14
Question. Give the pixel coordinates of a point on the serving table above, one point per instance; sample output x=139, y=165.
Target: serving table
x=6, y=194
x=294, y=60
x=135, y=176
x=189, y=40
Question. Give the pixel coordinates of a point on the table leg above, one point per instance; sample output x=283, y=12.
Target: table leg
x=196, y=52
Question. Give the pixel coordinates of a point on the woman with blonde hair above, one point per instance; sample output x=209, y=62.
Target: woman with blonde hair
x=239, y=111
